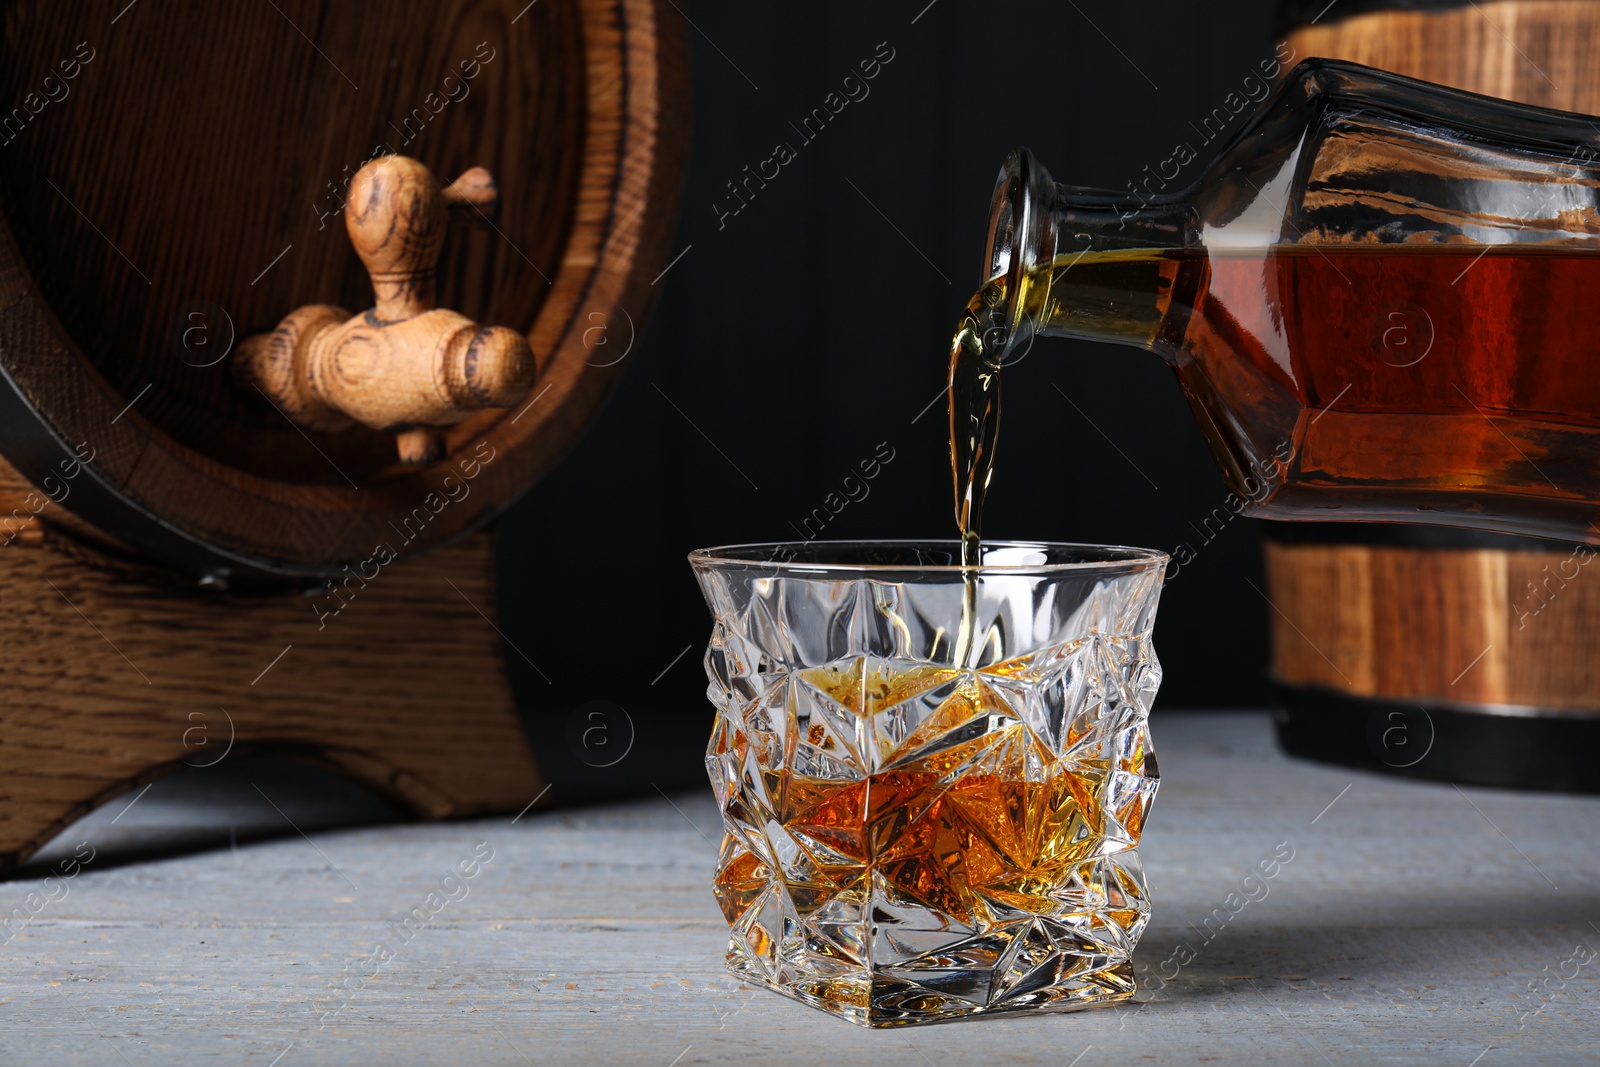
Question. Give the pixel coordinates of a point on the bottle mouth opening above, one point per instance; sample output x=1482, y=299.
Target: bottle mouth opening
x=1021, y=235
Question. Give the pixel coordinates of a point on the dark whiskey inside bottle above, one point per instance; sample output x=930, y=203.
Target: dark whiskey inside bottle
x=1434, y=383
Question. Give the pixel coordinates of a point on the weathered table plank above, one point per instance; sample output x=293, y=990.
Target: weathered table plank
x=1407, y=927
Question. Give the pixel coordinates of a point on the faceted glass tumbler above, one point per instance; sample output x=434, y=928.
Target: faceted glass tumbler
x=925, y=818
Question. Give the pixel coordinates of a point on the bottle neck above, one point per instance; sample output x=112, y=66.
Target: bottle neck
x=1077, y=263
x=1086, y=220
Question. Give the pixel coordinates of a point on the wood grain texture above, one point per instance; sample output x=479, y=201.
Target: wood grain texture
x=199, y=161
x=1454, y=626
x=1450, y=625
x=1544, y=52
x=110, y=667
x=25, y=512
x=592, y=937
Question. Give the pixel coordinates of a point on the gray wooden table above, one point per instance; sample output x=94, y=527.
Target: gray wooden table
x=1415, y=924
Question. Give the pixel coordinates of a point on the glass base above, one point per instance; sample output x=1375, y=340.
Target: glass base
x=880, y=1001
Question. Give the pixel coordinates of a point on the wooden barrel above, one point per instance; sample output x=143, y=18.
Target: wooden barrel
x=1430, y=652
x=175, y=181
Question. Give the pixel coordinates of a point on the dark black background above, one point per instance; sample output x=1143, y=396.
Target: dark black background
x=793, y=338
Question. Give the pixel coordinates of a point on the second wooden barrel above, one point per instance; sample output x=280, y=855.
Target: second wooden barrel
x=1430, y=652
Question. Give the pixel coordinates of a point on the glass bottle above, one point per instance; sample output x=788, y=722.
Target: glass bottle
x=1376, y=298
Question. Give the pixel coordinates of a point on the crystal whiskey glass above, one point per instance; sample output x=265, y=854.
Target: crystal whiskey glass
x=921, y=824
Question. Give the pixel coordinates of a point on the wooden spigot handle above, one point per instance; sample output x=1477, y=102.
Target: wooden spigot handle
x=406, y=365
